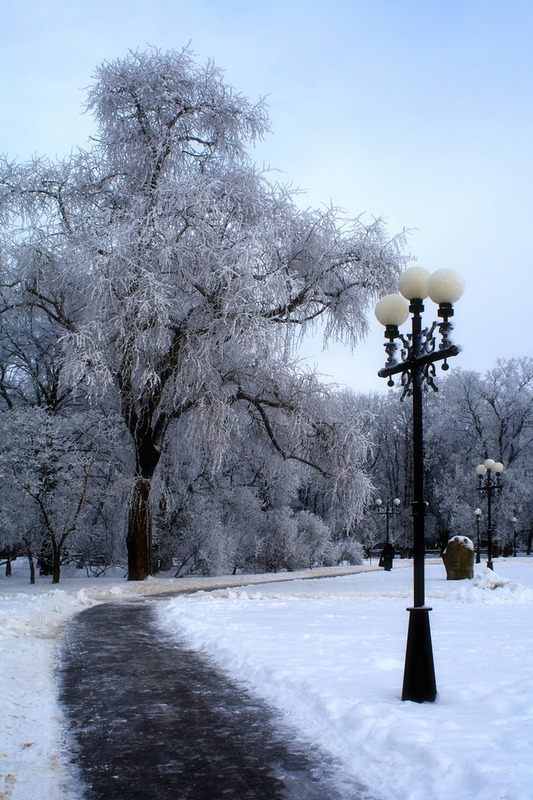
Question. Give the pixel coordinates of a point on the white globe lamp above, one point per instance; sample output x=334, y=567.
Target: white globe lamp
x=392, y=310
x=445, y=286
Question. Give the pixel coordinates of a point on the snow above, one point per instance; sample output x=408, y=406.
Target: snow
x=329, y=654
x=464, y=540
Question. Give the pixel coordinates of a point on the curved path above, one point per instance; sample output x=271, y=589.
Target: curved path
x=149, y=718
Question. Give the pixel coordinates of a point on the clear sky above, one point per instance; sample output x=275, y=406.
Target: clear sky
x=416, y=111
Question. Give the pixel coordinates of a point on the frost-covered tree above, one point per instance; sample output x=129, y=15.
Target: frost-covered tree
x=389, y=464
x=471, y=417
x=181, y=276
x=58, y=455
x=475, y=417
x=46, y=473
x=222, y=520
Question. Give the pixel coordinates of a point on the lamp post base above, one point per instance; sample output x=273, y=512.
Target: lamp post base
x=419, y=682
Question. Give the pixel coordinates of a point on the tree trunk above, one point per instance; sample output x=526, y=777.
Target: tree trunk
x=139, y=540
x=31, y=562
x=139, y=537
x=56, y=569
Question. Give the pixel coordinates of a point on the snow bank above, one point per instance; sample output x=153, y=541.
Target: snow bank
x=32, y=760
x=329, y=655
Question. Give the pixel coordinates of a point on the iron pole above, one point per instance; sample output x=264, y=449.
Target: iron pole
x=419, y=682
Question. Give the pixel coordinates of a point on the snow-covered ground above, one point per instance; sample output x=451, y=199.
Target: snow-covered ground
x=329, y=654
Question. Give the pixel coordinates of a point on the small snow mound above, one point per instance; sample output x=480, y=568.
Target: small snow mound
x=234, y=594
x=490, y=580
x=482, y=590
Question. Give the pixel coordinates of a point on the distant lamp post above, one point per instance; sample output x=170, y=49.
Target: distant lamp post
x=477, y=512
x=391, y=508
x=514, y=520
x=489, y=483
x=416, y=367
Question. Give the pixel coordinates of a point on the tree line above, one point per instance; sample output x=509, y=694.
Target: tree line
x=470, y=418
x=154, y=290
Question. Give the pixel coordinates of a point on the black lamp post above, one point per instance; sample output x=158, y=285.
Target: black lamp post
x=418, y=354
x=391, y=508
x=477, y=512
x=489, y=483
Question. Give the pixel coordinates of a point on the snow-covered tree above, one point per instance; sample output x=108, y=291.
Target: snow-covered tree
x=476, y=417
x=47, y=472
x=472, y=417
x=181, y=276
x=58, y=453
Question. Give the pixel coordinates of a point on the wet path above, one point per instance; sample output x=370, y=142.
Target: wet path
x=151, y=719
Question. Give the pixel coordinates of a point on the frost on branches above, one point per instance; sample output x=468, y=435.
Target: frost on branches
x=179, y=278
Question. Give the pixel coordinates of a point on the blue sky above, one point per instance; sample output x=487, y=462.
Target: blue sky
x=417, y=111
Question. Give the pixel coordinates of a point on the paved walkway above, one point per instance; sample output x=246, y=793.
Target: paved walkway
x=152, y=720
